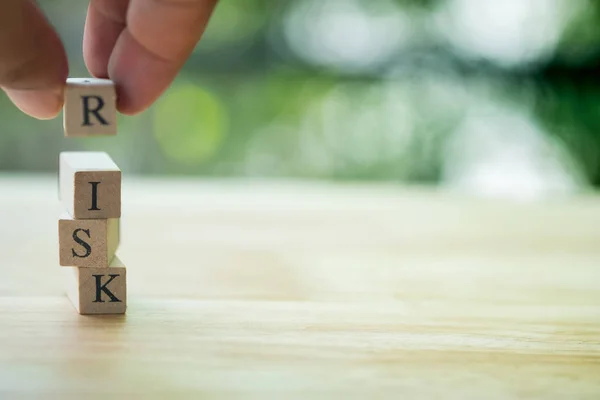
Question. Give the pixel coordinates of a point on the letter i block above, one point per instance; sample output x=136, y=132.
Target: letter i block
x=90, y=185
x=90, y=107
x=89, y=243
x=98, y=290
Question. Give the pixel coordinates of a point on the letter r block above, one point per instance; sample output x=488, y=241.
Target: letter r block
x=89, y=243
x=90, y=107
x=98, y=290
x=90, y=185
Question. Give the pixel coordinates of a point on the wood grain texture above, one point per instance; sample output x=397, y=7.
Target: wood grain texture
x=277, y=290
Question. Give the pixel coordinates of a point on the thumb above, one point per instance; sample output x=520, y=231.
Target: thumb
x=33, y=63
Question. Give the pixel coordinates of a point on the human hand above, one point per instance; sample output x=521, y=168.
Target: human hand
x=140, y=44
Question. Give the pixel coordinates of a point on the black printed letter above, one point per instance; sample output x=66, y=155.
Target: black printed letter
x=87, y=110
x=94, y=196
x=83, y=243
x=102, y=288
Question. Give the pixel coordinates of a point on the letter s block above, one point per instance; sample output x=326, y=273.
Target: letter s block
x=90, y=185
x=89, y=243
x=90, y=107
x=98, y=290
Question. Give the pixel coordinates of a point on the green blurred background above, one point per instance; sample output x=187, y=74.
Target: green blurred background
x=496, y=97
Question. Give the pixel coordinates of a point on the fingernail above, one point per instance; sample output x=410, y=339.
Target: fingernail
x=40, y=104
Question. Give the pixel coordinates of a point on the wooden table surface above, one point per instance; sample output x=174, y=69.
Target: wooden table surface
x=308, y=291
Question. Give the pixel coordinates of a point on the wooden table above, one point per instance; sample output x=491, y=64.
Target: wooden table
x=308, y=291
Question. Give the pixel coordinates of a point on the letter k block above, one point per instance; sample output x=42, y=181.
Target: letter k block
x=90, y=107
x=98, y=290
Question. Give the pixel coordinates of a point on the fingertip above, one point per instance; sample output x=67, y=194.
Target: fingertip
x=31, y=52
x=130, y=101
x=40, y=104
x=129, y=109
x=150, y=51
x=140, y=77
x=104, y=23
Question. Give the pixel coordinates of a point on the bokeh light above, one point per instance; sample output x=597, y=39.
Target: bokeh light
x=349, y=35
x=190, y=124
x=497, y=98
x=509, y=32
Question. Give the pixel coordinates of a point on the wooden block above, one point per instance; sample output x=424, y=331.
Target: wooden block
x=90, y=107
x=88, y=243
x=90, y=185
x=98, y=290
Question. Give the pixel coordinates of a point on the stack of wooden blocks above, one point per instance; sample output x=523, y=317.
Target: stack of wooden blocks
x=90, y=192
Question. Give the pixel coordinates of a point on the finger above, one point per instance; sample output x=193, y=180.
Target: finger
x=159, y=37
x=33, y=63
x=104, y=24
